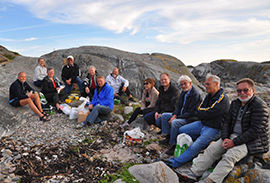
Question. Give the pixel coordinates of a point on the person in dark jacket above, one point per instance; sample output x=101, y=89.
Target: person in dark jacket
x=21, y=94
x=245, y=132
x=90, y=82
x=102, y=103
x=71, y=74
x=51, y=89
x=211, y=114
x=184, y=113
x=166, y=102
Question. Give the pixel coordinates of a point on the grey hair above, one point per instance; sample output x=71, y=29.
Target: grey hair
x=92, y=66
x=184, y=78
x=215, y=78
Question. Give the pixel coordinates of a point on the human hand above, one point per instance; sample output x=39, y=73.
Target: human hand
x=87, y=90
x=157, y=115
x=172, y=118
x=91, y=107
x=124, y=88
x=227, y=144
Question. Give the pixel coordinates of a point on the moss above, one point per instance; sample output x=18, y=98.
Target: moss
x=10, y=57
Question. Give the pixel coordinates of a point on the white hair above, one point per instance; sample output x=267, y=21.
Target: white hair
x=184, y=78
x=215, y=78
x=92, y=67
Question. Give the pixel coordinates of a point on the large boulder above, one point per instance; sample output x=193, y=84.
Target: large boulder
x=155, y=172
x=134, y=67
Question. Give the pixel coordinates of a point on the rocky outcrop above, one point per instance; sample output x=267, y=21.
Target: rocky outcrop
x=232, y=70
x=6, y=55
x=134, y=67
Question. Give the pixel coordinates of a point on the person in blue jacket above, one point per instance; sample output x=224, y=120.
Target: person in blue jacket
x=102, y=102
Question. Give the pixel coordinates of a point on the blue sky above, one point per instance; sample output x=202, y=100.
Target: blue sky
x=194, y=31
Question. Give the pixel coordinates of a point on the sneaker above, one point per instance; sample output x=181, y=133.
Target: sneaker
x=166, y=140
x=103, y=123
x=131, y=99
x=125, y=124
x=186, y=174
x=171, y=150
x=81, y=125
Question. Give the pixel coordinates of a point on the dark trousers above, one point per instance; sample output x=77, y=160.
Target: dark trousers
x=137, y=112
x=55, y=97
x=120, y=92
x=90, y=94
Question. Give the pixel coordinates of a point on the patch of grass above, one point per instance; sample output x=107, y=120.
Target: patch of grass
x=150, y=141
x=10, y=57
x=123, y=174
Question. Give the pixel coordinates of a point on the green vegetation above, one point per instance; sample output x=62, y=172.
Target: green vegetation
x=123, y=174
x=10, y=57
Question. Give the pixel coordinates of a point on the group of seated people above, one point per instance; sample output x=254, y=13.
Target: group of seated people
x=238, y=129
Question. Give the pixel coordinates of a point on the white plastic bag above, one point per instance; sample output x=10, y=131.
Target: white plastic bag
x=65, y=108
x=73, y=113
x=81, y=107
x=184, y=141
x=133, y=137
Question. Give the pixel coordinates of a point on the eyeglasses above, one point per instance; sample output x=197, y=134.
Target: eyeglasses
x=244, y=90
x=145, y=83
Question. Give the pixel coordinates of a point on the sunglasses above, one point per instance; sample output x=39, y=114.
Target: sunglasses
x=244, y=90
x=145, y=83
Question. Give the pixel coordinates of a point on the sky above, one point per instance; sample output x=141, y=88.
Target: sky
x=193, y=31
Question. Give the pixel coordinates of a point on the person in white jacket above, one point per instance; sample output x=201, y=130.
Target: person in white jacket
x=120, y=85
x=40, y=72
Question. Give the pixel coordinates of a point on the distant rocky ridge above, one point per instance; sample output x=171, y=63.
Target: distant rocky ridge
x=6, y=55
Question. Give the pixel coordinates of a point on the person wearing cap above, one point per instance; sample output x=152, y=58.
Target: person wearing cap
x=245, y=132
x=120, y=85
x=71, y=74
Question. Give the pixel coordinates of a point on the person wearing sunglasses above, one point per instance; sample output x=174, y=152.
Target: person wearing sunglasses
x=184, y=113
x=166, y=102
x=245, y=132
x=149, y=98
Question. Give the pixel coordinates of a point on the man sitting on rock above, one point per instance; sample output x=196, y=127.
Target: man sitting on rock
x=71, y=75
x=244, y=132
x=211, y=113
x=184, y=113
x=102, y=103
x=21, y=94
x=166, y=102
x=90, y=82
x=120, y=86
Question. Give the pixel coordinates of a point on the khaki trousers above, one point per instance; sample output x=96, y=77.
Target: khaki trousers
x=225, y=165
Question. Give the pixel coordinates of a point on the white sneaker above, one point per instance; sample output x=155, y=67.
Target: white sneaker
x=125, y=124
x=81, y=125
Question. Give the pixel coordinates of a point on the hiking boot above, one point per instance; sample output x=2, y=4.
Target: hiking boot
x=131, y=99
x=166, y=140
x=171, y=150
x=81, y=125
x=126, y=124
x=186, y=174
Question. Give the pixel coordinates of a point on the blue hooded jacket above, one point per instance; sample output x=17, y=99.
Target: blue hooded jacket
x=105, y=97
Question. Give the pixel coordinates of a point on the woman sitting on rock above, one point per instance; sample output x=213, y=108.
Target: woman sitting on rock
x=149, y=98
x=40, y=72
x=50, y=88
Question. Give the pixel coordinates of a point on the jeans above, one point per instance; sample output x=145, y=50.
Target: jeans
x=68, y=88
x=98, y=109
x=150, y=119
x=203, y=136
